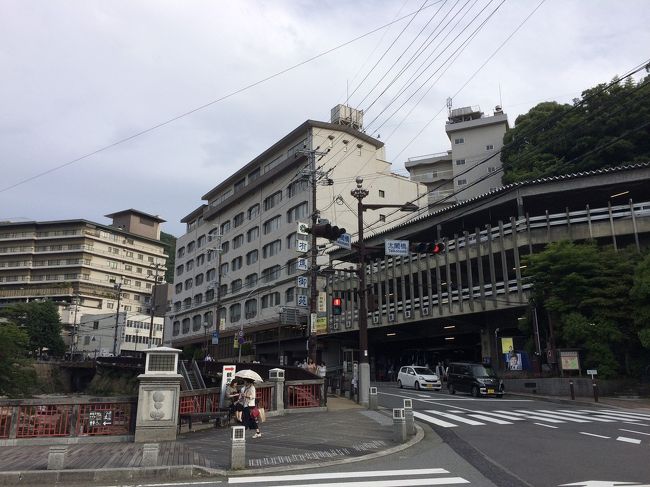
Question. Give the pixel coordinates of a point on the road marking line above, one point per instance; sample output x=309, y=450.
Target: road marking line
x=504, y=416
x=572, y=414
x=489, y=419
x=627, y=413
x=336, y=475
x=638, y=424
x=628, y=440
x=620, y=415
x=532, y=416
x=432, y=420
x=637, y=432
x=546, y=425
x=388, y=483
x=455, y=417
x=555, y=416
x=592, y=434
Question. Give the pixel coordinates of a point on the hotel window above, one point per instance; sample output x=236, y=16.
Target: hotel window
x=238, y=241
x=297, y=212
x=236, y=263
x=461, y=182
x=238, y=220
x=460, y=162
x=235, y=286
x=211, y=275
x=489, y=147
x=253, y=211
x=382, y=218
x=225, y=227
x=188, y=283
x=223, y=270
x=252, y=257
x=225, y=247
x=292, y=266
x=272, y=248
x=271, y=273
x=189, y=265
x=112, y=265
x=200, y=260
x=271, y=201
x=179, y=269
x=382, y=194
x=289, y=295
x=190, y=247
x=251, y=280
x=460, y=140
x=235, y=313
x=253, y=234
x=251, y=308
x=179, y=288
x=239, y=185
x=272, y=224
x=200, y=242
x=198, y=280
x=296, y=187
x=196, y=323
x=491, y=169
x=253, y=175
x=271, y=299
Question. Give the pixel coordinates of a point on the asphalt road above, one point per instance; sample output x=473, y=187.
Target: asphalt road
x=533, y=442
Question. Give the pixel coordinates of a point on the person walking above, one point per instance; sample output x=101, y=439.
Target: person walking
x=249, y=404
x=236, y=397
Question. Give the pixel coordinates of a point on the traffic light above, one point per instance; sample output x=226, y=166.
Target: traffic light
x=325, y=230
x=337, y=306
x=428, y=247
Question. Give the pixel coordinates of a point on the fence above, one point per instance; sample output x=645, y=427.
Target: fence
x=304, y=394
x=207, y=400
x=65, y=418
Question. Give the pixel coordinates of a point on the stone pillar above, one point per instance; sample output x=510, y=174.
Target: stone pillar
x=408, y=417
x=238, y=448
x=399, y=425
x=150, y=455
x=277, y=377
x=372, y=399
x=56, y=457
x=158, y=397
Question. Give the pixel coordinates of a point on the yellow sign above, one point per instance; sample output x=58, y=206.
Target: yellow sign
x=321, y=325
x=507, y=345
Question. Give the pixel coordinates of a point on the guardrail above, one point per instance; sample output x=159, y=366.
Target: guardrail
x=304, y=394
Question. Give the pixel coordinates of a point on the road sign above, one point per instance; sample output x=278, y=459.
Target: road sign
x=592, y=372
x=215, y=338
x=397, y=247
x=302, y=300
x=240, y=333
x=302, y=263
x=302, y=246
x=313, y=318
x=302, y=281
x=322, y=302
x=303, y=229
x=344, y=241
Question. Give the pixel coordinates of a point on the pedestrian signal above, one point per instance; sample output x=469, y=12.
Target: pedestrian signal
x=336, y=306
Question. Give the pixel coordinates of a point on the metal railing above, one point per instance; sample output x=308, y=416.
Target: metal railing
x=303, y=394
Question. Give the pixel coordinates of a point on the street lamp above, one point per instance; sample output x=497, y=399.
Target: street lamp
x=364, y=364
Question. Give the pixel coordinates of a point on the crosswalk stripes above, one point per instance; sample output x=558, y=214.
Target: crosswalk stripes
x=374, y=478
x=455, y=417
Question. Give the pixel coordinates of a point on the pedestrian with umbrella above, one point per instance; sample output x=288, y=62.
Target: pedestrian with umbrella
x=250, y=394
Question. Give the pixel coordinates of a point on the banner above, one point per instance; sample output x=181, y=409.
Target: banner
x=228, y=373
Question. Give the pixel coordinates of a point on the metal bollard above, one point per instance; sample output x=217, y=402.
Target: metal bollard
x=595, y=386
x=399, y=425
x=238, y=448
x=150, y=454
x=56, y=457
x=573, y=393
x=408, y=416
x=373, y=399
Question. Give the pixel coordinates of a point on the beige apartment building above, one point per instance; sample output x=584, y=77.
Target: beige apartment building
x=473, y=164
x=81, y=265
x=240, y=247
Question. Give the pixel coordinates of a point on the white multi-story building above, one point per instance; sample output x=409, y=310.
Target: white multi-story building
x=80, y=265
x=97, y=336
x=252, y=217
x=472, y=166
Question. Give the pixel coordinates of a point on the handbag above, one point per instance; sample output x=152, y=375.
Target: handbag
x=261, y=414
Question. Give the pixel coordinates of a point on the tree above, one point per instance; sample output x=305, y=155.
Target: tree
x=41, y=322
x=170, y=244
x=585, y=292
x=610, y=128
x=640, y=294
x=15, y=377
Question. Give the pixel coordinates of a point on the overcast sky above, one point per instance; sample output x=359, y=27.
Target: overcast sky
x=77, y=76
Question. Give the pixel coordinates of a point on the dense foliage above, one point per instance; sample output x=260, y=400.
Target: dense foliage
x=40, y=321
x=16, y=377
x=170, y=247
x=595, y=299
x=609, y=129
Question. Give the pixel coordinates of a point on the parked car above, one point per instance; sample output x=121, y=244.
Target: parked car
x=418, y=377
x=475, y=379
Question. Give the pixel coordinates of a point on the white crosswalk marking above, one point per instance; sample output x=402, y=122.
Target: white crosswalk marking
x=404, y=478
x=571, y=414
x=533, y=416
x=432, y=420
x=509, y=417
x=455, y=417
x=555, y=416
x=489, y=419
x=615, y=416
x=627, y=413
x=628, y=440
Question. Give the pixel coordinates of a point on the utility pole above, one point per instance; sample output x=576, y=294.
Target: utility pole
x=217, y=290
x=313, y=269
x=118, y=287
x=152, y=304
x=73, y=345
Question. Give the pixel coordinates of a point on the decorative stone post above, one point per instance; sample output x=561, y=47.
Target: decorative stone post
x=238, y=448
x=158, y=397
x=373, y=399
x=408, y=417
x=277, y=376
x=399, y=425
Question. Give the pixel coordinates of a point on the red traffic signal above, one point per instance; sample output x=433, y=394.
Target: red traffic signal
x=337, y=306
x=428, y=248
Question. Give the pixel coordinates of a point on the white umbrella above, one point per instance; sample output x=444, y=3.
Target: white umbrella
x=249, y=374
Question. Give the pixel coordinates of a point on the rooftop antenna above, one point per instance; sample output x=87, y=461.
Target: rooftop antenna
x=500, y=102
x=449, y=105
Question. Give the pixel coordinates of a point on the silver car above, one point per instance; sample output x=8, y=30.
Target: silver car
x=418, y=378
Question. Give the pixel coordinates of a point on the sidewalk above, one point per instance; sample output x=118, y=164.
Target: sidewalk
x=347, y=432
